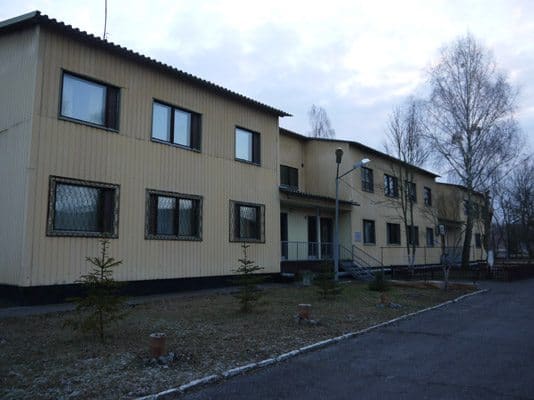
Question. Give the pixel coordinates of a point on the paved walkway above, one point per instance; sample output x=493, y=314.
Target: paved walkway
x=479, y=348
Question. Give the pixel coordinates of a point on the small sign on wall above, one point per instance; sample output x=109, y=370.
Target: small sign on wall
x=357, y=236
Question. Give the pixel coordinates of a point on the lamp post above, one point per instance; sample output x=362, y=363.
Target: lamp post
x=339, y=156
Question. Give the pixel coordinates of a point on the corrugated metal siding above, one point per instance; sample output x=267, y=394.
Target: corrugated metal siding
x=292, y=155
x=130, y=159
x=18, y=55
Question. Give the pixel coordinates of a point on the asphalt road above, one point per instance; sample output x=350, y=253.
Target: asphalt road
x=479, y=348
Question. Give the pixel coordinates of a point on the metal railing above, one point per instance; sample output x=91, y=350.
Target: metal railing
x=303, y=251
x=361, y=254
x=425, y=255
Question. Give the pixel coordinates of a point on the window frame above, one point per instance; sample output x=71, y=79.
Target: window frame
x=192, y=134
x=409, y=238
x=256, y=146
x=289, y=170
x=395, y=188
x=149, y=235
x=427, y=200
x=108, y=86
x=367, y=186
x=232, y=222
x=388, y=234
x=365, y=242
x=431, y=231
x=411, y=191
x=53, y=182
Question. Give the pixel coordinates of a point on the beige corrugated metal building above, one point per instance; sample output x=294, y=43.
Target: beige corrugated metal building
x=98, y=141
x=89, y=127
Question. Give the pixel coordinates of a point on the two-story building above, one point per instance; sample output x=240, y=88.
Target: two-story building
x=97, y=141
x=371, y=221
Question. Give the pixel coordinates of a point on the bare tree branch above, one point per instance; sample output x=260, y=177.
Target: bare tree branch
x=320, y=123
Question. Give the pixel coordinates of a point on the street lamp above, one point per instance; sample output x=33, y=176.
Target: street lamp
x=339, y=156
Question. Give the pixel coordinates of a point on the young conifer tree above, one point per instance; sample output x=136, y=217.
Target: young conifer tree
x=248, y=280
x=101, y=305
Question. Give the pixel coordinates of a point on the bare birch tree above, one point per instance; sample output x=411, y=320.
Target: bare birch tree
x=405, y=141
x=471, y=120
x=320, y=124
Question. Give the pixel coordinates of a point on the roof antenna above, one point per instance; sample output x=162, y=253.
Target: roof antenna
x=105, y=18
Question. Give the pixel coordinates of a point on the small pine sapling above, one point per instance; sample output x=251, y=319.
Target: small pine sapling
x=248, y=280
x=100, y=305
x=327, y=286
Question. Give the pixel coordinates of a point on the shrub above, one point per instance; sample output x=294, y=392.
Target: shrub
x=248, y=280
x=327, y=286
x=101, y=305
x=379, y=283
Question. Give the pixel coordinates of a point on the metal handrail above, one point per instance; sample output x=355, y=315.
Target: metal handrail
x=374, y=259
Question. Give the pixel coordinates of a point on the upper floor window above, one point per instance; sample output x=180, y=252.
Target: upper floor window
x=247, y=146
x=412, y=233
x=427, y=196
x=411, y=191
x=393, y=233
x=81, y=208
x=369, y=232
x=391, y=186
x=173, y=216
x=247, y=222
x=367, y=179
x=90, y=101
x=175, y=125
x=289, y=177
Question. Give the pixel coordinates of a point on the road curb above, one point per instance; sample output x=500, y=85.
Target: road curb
x=171, y=393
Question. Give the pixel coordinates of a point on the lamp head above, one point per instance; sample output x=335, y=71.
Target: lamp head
x=361, y=163
x=339, y=155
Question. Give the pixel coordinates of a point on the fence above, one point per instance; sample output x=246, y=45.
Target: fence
x=426, y=255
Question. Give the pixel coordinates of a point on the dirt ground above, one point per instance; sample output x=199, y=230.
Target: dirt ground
x=41, y=359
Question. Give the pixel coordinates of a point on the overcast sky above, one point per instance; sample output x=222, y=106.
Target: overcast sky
x=357, y=59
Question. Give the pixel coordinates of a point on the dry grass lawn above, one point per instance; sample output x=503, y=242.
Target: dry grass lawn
x=42, y=360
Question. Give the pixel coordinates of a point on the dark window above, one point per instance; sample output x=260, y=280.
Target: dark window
x=289, y=177
x=175, y=125
x=247, y=146
x=411, y=191
x=427, y=196
x=430, y=237
x=247, y=222
x=89, y=101
x=80, y=208
x=391, y=186
x=173, y=216
x=415, y=238
x=393, y=233
x=369, y=232
x=367, y=180
x=478, y=240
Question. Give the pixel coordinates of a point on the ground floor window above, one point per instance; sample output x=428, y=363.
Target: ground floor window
x=412, y=233
x=173, y=216
x=430, y=237
x=82, y=208
x=247, y=222
x=369, y=232
x=393, y=233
